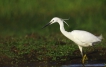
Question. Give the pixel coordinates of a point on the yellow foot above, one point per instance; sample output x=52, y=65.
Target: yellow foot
x=84, y=58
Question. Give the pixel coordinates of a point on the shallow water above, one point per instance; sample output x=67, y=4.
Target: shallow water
x=99, y=63
x=55, y=64
x=70, y=65
x=86, y=65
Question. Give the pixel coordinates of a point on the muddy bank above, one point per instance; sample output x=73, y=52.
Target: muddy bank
x=36, y=50
x=96, y=56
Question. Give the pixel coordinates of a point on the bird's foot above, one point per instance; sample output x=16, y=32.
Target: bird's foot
x=84, y=58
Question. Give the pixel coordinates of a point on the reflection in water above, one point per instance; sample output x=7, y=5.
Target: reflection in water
x=86, y=65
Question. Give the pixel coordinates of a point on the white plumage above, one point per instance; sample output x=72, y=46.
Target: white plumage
x=83, y=38
x=80, y=37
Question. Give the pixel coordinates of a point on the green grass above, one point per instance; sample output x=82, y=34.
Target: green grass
x=18, y=17
x=34, y=47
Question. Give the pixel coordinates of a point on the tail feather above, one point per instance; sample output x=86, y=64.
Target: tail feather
x=100, y=37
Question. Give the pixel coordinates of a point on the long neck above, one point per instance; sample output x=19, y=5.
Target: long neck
x=65, y=33
x=62, y=28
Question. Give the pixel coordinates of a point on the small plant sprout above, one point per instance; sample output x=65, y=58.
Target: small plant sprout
x=80, y=37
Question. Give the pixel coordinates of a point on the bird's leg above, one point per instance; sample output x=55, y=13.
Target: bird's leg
x=84, y=58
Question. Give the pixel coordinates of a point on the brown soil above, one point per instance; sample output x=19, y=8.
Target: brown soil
x=96, y=56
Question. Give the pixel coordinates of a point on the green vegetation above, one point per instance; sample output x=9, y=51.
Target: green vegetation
x=21, y=36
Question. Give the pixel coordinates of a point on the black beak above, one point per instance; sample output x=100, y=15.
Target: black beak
x=46, y=25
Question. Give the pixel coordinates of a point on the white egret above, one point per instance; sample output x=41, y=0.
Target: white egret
x=80, y=37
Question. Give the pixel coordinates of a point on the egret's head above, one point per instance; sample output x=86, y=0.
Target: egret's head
x=54, y=20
